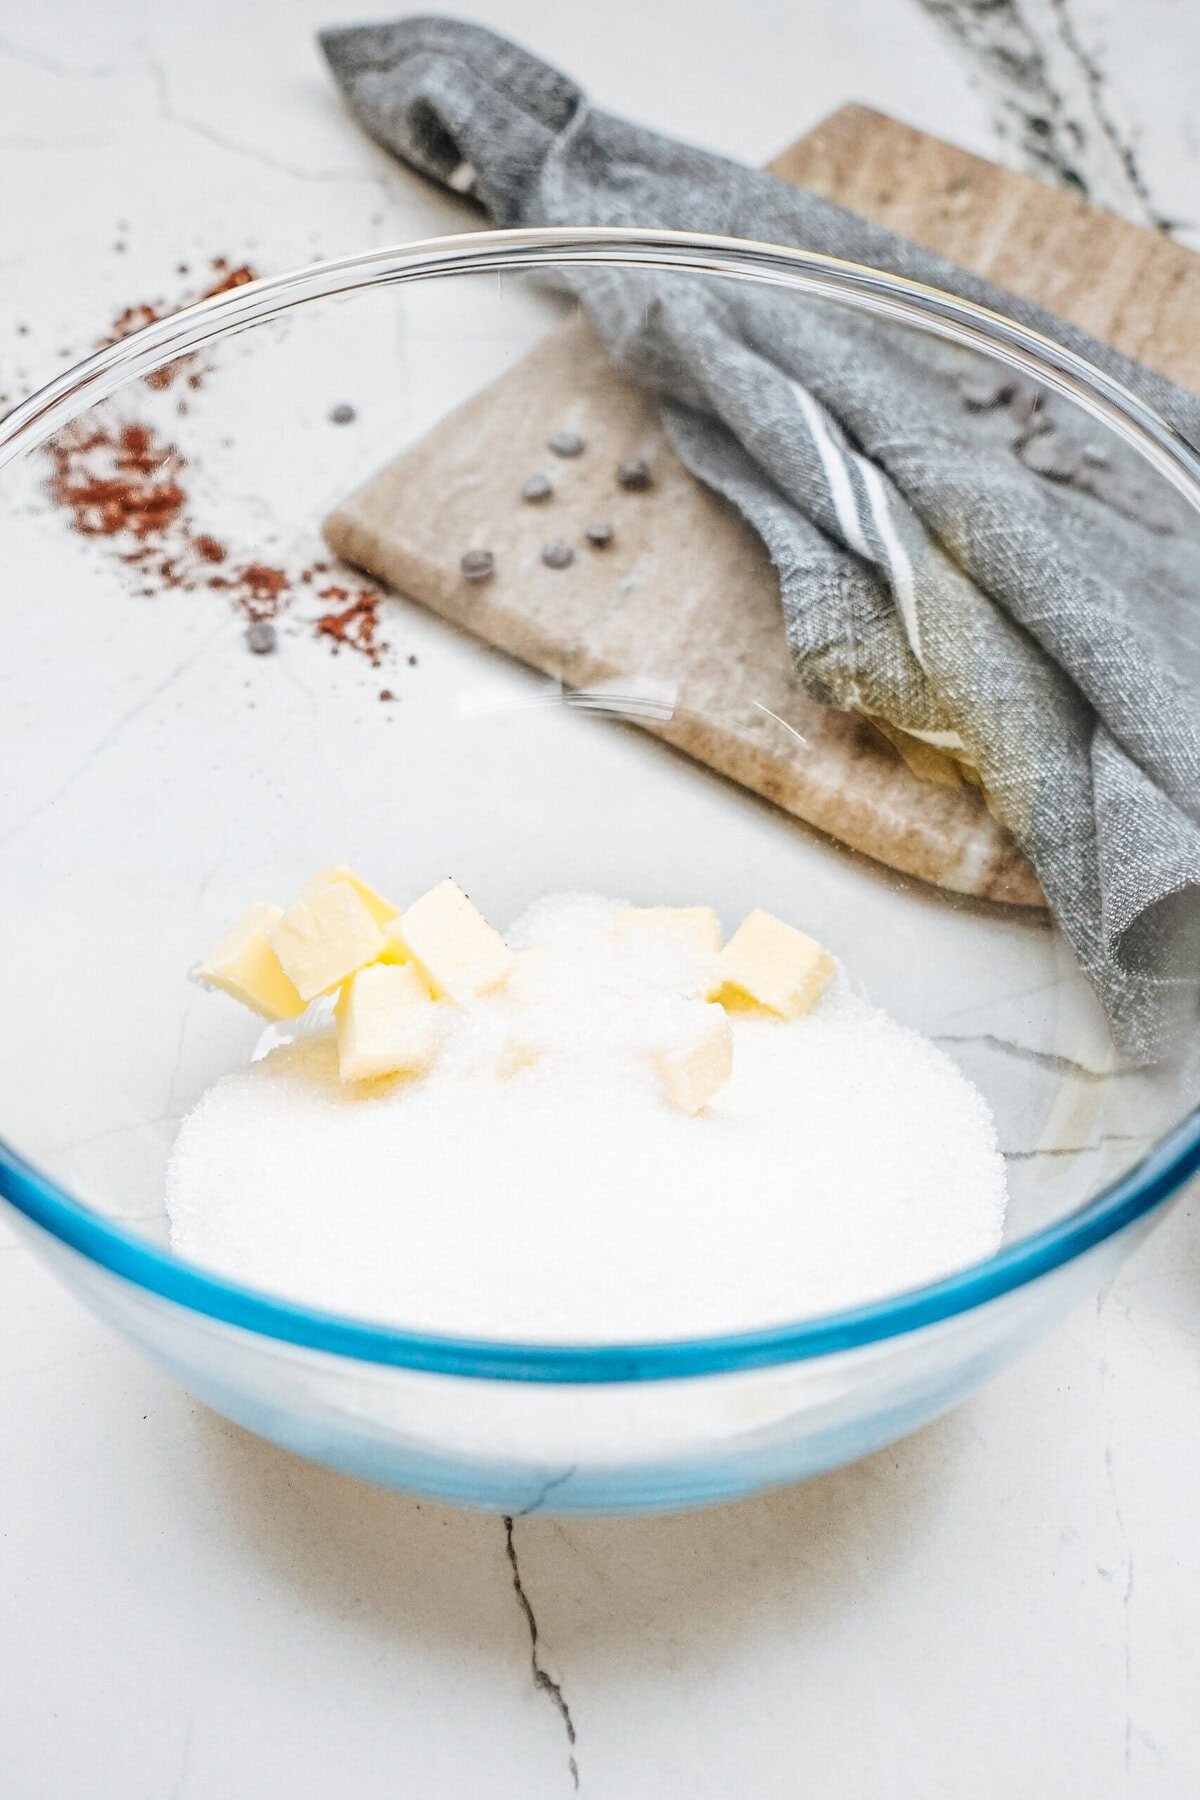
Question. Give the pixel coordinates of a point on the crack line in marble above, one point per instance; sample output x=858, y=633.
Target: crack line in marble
x=1111, y=1137
x=111, y=735
x=168, y=113
x=1127, y=1591
x=98, y=1137
x=542, y=1679
x=549, y=1487
x=1094, y=82
x=183, y=1030
x=1042, y=1059
x=1001, y=39
x=39, y=59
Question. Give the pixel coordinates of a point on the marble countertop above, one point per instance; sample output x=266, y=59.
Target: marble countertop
x=1006, y=1602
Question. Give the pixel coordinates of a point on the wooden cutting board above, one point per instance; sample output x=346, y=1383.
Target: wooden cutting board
x=681, y=611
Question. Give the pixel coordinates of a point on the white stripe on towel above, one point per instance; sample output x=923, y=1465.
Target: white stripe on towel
x=841, y=489
x=940, y=740
x=836, y=474
x=903, y=583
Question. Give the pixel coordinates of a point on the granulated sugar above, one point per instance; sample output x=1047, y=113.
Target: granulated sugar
x=846, y=1159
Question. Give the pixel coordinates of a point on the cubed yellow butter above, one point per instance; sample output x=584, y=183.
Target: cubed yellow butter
x=323, y=939
x=244, y=965
x=694, y=927
x=773, y=965
x=700, y=1063
x=460, y=954
x=381, y=910
x=395, y=950
x=386, y=1024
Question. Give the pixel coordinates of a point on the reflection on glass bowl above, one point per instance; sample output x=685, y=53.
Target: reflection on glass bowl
x=158, y=773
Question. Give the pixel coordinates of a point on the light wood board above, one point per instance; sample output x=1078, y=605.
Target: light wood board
x=683, y=609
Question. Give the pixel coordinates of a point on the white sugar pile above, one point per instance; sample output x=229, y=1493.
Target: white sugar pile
x=846, y=1159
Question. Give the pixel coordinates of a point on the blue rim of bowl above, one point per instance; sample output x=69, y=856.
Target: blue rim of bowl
x=1132, y=1197
x=124, y=1254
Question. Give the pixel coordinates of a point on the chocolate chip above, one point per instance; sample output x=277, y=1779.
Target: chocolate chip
x=1043, y=455
x=567, y=443
x=634, y=474
x=599, y=536
x=260, y=637
x=538, y=487
x=477, y=565
x=557, y=554
x=984, y=388
x=342, y=414
x=1026, y=405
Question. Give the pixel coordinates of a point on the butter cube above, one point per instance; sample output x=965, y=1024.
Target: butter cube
x=699, y=1066
x=460, y=954
x=693, y=927
x=772, y=964
x=244, y=965
x=381, y=910
x=323, y=939
x=395, y=950
x=386, y=1024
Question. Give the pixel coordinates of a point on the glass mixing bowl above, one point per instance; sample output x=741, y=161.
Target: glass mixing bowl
x=158, y=777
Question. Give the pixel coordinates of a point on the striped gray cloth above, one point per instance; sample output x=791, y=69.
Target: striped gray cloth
x=957, y=557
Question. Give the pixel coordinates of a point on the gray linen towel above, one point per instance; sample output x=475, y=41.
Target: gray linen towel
x=946, y=562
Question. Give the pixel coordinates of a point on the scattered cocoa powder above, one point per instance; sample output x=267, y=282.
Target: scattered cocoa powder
x=132, y=318
x=112, y=483
x=148, y=312
x=231, y=278
x=355, y=624
x=122, y=481
x=261, y=590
